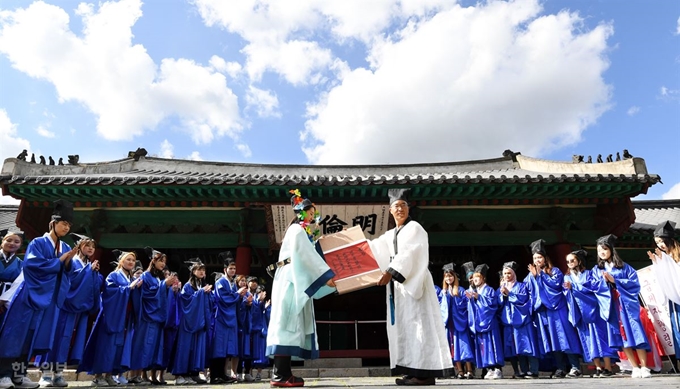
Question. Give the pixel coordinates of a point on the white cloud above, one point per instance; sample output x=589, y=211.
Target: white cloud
x=280, y=33
x=167, y=150
x=195, y=156
x=452, y=88
x=233, y=69
x=632, y=111
x=677, y=27
x=44, y=132
x=244, y=149
x=114, y=78
x=669, y=94
x=673, y=193
x=264, y=102
x=11, y=145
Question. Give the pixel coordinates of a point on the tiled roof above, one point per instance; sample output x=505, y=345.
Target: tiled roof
x=8, y=217
x=649, y=214
x=158, y=171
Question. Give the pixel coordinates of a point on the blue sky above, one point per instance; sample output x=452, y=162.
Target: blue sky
x=343, y=82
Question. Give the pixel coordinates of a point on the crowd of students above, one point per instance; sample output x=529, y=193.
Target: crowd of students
x=147, y=322
x=552, y=320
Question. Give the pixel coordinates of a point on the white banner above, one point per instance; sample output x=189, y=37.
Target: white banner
x=657, y=304
x=373, y=219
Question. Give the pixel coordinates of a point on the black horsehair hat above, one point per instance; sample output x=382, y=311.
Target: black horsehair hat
x=468, y=268
x=665, y=230
x=63, y=211
x=607, y=240
x=510, y=265
x=482, y=269
x=538, y=247
x=78, y=237
x=581, y=254
x=449, y=268
x=7, y=232
x=398, y=194
x=151, y=253
x=195, y=263
x=226, y=258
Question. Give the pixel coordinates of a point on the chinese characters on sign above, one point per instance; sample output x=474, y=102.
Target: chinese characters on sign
x=372, y=219
x=658, y=308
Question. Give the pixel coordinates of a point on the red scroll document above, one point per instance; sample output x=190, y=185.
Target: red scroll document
x=349, y=256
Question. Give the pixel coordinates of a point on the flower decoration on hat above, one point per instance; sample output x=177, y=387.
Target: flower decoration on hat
x=301, y=208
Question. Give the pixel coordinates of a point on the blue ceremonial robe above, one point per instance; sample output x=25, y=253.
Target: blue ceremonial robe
x=624, y=312
x=484, y=325
x=225, y=333
x=9, y=271
x=244, y=324
x=455, y=315
x=147, y=341
x=83, y=298
x=108, y=348
x=519, y=332
x=597, y=338
x=258, y=334
x=191, y=339
x=170, y=329
x=551, y=317
x=31, y=319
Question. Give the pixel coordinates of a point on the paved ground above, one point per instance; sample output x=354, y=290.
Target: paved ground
x=618, y=382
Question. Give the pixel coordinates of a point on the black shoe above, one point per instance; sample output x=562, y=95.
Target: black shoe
x=606, y=373
x=197, y=379
x=531, y=376
x=414, y=381
x=218, y=381
x=292, y=381
x=559, y=373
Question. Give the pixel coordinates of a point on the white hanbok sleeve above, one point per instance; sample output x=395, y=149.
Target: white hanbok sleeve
x=667, y=273
x=381, y=250
x=307, y=272
x=412, y=259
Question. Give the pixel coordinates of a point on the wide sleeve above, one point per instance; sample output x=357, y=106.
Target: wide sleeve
x=485, y=308
x=192, y=303
x=444, y=304
x=41, y=274
x=550, y=288
x=459, y=310
x=574, y=313
x=381, y=250
x=115, y=299
x=520, y=304
x=83, y=296
x=154, y=299
x=410, y=265
x=667, y=273
x=308, y=272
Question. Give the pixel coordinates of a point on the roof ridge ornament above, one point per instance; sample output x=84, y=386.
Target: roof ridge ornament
x=137, y=154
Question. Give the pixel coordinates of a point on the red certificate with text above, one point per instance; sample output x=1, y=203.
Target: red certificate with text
x=349, y=255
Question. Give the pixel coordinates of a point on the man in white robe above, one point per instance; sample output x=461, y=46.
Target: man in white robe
x=418, y=347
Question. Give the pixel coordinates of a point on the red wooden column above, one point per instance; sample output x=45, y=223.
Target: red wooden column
x=243, y=259
x=558, y=255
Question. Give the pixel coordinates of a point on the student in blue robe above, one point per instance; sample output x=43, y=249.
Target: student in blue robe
x=108, y=348
x=195, y=320
x=30, y=321
x=10, y=265
x=454, y=305
x=583, y=294
x=624, y=309
x=666, y=267
x=226, y=297
x=258, y=331
x=170, y=329
x=147, y=341
x=556, y=335
x=243, y=315
x=83, y=299
x=518, y=328
x=483, y=321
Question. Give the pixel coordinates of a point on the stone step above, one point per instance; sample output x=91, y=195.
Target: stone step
x=327, y=363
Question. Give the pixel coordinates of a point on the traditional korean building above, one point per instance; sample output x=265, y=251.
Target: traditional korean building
x=486, y=210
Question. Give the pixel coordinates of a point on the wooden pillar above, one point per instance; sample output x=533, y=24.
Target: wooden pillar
x=243, y=259
x=558, y=255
